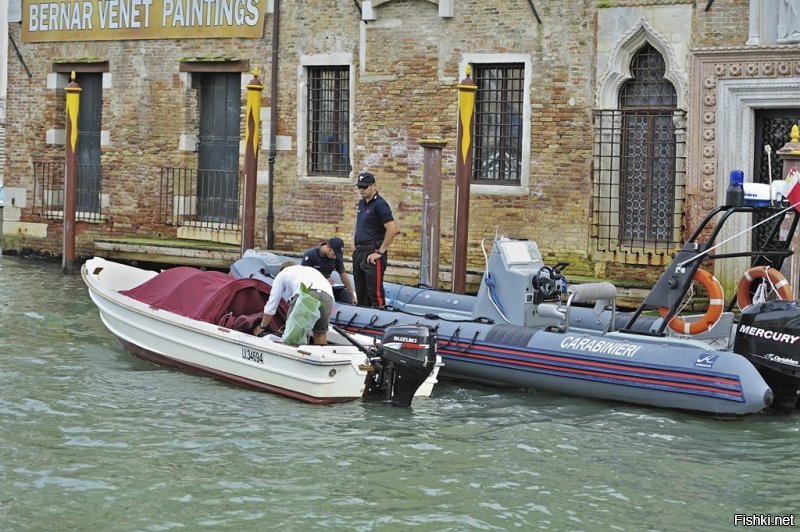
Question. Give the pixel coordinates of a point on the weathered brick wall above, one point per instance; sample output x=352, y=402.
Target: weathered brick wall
x=404, y=91
x=725, y=24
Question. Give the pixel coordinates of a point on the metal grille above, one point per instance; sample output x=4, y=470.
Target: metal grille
x=498, y=124
x=639, y=163
x=773, y=127
x=206, y=199
x=639, y=176
x=329, y=121
x=48, y=191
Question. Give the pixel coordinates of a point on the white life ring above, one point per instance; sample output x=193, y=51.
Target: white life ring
x=773, y=276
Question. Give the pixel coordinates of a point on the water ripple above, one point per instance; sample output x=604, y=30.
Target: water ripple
x=88, y=434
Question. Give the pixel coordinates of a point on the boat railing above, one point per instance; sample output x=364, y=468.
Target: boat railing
x=771, y=250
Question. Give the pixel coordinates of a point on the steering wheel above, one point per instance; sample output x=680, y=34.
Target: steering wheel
x=545, y=282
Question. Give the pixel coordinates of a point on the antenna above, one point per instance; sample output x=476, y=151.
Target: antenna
x=768, y=149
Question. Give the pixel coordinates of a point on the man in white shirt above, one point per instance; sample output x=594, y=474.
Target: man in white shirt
x=286, y=285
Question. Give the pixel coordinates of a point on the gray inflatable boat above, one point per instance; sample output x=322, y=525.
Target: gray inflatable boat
x=523, y=329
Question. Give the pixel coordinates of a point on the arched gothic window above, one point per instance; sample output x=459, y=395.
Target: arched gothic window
x=647, y=103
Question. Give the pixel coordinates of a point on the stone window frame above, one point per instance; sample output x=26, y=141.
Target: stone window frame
x=523, y=189
x=57, y=80
x=609, y=84
x=188, y=68
x=368, y=13
x=333, y=60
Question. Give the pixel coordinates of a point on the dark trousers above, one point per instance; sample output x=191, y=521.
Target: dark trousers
x=368, y=278
x=342, y=295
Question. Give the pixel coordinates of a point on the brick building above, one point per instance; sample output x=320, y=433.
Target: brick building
x=604, y=130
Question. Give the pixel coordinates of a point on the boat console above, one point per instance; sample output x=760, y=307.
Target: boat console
x=515, y=282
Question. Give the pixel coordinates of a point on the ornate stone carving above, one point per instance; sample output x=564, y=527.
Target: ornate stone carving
x=710, y=99
x=619, y=61
x=788, y=21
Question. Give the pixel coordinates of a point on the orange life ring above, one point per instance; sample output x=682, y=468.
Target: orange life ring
x=715, y=306
x=775, y=277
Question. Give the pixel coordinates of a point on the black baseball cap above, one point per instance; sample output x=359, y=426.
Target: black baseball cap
x=365, y=179
x=337, y=245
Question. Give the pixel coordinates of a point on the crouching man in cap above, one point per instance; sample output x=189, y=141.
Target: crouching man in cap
x=326, y=258
x=375, y=231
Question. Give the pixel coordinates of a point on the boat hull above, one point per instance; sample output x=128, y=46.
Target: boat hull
x=661, y=372
x=313, y=374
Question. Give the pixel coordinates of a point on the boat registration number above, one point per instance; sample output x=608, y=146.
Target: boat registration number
x=252, y=355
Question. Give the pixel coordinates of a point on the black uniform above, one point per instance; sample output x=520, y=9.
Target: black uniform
x=370, y=231
x=326, y=266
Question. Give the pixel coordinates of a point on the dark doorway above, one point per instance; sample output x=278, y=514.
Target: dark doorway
x=89, y=119
x=218, y=147
x=772, y=128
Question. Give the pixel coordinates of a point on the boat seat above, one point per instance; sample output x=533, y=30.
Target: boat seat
x=510, y=335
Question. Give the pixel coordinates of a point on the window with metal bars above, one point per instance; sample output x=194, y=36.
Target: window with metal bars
x=647, y=191
x=640, y=162
x=497, y=158
x=328, y=146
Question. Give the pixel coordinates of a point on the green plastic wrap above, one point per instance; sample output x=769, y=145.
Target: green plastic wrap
x=305, y=313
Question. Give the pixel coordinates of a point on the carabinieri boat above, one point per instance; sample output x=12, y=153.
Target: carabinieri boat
x=518, y=332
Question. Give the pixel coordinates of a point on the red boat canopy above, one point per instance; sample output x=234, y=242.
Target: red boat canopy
x=203, y=295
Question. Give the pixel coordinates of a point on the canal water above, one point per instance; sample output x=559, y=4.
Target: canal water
x=92, y=438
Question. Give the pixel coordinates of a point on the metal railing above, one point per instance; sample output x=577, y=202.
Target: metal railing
x=48, y=191
x=639, y=175
x=205, y=199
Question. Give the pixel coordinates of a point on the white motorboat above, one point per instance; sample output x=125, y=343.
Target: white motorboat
x=186, y=318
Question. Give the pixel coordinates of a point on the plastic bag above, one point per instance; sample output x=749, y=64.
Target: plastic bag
x=305, y=313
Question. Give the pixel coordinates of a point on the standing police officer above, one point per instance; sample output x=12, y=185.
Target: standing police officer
x=375, y=231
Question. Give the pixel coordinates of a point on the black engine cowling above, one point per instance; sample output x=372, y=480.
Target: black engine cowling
x=769, y=336
x=405, y=359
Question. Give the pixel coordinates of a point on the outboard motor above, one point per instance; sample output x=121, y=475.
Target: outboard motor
x=406, y=358
x=769, y=336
